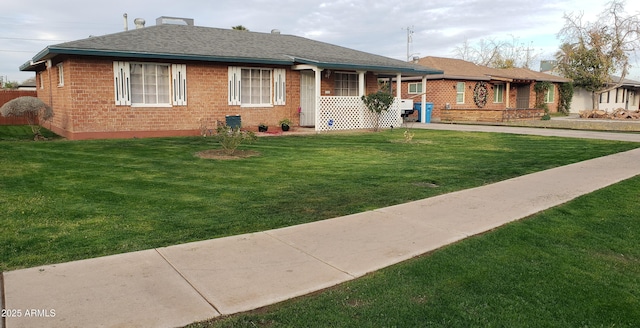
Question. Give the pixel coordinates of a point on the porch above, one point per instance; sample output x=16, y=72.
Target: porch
x=350, y=113
x=330, y=104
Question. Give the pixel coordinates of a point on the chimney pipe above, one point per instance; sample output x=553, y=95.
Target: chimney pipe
x=126, y=22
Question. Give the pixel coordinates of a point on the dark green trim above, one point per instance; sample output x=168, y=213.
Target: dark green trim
x=51, y=52
x=408, y=70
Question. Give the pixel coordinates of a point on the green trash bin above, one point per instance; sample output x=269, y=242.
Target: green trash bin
x=233, y=121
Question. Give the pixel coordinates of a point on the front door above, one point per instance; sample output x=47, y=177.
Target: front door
x=307, y=98
x=522, y=97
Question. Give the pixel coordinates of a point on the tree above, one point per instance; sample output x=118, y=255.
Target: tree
x=9, y=85
x=593, y=51
x=377, y=103
x=497, y=54
x=30, y=107
x=565, y=91
x=239, y=28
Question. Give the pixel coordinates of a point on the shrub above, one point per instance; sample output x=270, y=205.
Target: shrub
x=32, y=109
x=377, y=103
x=230, y=138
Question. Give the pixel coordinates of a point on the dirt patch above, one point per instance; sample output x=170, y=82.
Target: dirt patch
x=425, y=184
x=220, y=154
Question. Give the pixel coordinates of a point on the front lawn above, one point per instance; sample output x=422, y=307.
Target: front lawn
x=69, y=200
x=576, y=265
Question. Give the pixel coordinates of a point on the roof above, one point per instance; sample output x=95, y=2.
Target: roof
x=457, y=68
x=625, y=82
x=197, y=43
x=463, y=70
x=527, y=74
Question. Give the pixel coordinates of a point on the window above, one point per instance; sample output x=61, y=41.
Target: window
x=460, y=93
x=60, y=75
x=256, y=86
x=150, y=84
x=549, y=95
x=498, y=93
x=415, y=88
x=346, y=84
x=141, y=84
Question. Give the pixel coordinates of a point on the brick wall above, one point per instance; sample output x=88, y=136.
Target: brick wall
x=7, y=95
x=442, y=92
x=85, y=107
x=491, y=115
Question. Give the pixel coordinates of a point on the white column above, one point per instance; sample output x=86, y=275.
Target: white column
x=399, y=86
x=423, y=99
x=318, y=75
x=361, y=83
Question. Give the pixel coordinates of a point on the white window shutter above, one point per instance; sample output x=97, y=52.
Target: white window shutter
x=179, y=79
x=279, y=86
x=121, y=80
x=235, y=85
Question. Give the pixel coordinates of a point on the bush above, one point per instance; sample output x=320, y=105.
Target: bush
x=377, y=103
x=230, y=138
x=30, y=107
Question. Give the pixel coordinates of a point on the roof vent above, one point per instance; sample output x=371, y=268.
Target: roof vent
x=416, y=59
x=139, y=22
x=166, y=20
x=275, y=31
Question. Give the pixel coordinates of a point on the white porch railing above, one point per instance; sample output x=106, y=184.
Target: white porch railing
x=350, y=113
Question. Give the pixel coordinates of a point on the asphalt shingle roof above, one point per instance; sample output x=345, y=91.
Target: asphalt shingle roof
x=223, y=45
x=461, y=69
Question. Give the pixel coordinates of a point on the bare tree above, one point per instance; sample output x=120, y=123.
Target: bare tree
x=593, y=51
x=32, y=108
x=497, y=53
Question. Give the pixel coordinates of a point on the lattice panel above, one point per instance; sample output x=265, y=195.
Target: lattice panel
x=350, y=113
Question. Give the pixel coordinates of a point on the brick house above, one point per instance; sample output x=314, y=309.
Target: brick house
x=510, y=93
x=172, y=80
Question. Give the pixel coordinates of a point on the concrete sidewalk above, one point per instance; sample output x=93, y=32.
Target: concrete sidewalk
x=178, y=285
x=565, y=133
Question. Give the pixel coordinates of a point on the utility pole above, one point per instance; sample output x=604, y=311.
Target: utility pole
x=409, y=41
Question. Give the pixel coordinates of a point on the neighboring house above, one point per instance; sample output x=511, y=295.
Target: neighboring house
x=457, y=94
x=625, y=96
x=169, y=80
x=28, y=85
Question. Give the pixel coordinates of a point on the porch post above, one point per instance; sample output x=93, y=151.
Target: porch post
x=361, y=83
x=318, y=77
x=506, y=103
x=423, y=99
x=399, y=86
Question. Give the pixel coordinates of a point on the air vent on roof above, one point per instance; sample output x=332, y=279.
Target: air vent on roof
x=139, y=22
x=275, y=31
x=163, y=20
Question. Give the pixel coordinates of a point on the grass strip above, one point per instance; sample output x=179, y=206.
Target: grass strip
x=576, y=265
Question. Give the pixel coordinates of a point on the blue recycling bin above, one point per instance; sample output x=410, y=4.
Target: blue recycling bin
x=428, y=109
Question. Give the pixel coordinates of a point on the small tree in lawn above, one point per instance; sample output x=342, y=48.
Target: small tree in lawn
x=32, y=109
x=230, y=138
x=377, y=103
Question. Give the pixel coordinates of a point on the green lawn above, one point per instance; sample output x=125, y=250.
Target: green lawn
x=576, y=265
x=68, y=200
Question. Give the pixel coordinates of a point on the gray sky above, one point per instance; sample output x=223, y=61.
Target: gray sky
x=379, y=27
